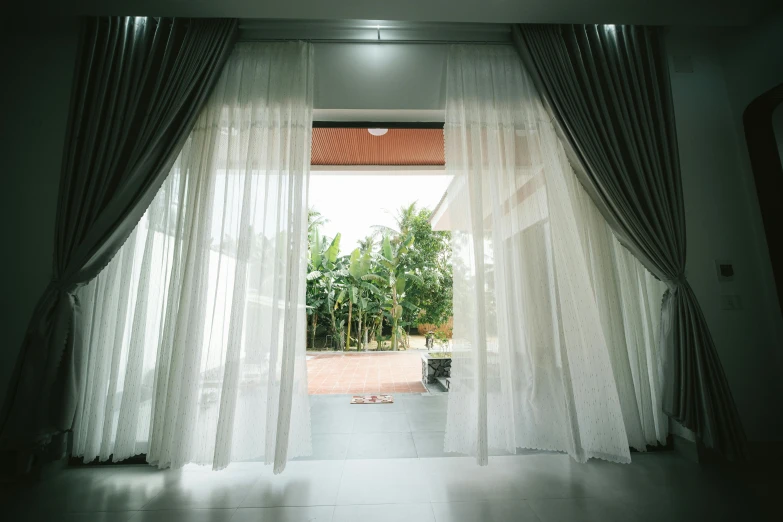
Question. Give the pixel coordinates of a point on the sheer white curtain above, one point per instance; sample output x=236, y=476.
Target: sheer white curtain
x=195, y=343
x=554, y=322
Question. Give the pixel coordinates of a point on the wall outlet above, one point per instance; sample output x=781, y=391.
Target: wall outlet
x=730, y=302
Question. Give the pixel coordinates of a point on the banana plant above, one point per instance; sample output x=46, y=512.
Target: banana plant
x=393, y=277
x=322, y=276
x=358, y=288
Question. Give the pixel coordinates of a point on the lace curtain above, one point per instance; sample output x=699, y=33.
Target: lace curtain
x=555, y=324
x=194, y=334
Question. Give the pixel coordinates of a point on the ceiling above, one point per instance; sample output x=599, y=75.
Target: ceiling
x=358, y=147
x=663, y=12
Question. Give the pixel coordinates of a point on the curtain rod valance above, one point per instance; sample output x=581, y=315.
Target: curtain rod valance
x=373, y=31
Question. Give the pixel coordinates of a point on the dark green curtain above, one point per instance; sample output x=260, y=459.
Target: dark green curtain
x=139, y=85
x=607, y=87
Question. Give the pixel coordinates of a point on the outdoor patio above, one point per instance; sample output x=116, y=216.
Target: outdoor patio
x=364, y=373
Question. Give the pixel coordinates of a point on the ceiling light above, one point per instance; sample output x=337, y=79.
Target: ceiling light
x=377, y=132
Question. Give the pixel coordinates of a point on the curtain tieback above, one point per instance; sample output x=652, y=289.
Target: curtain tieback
x=60, y=298
x=59, y=286
x=674, y=282
x=56, y=284
x=679, y=279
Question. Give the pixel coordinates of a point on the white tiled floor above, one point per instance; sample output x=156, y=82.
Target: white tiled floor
x=535, y=488
x=416, y=486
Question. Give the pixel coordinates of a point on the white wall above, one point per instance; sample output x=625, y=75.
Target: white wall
x=37, y=63
x=724, y=222
x=380, y=76
x=753, y=60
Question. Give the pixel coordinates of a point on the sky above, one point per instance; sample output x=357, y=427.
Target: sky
x=353, y=201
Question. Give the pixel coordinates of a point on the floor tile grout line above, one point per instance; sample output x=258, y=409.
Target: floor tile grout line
x=250, y=489
x=293, y=506
x=432, y=509
x=532, y=510
x=151, y=500
x=410, y=430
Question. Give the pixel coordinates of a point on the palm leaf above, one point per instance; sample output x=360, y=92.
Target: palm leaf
x=385, y=231
x=387, y=249
x=372, y=288
x=334, y=249
x=316, y=257
x=414, y=277
x=375, y=277
x=354, y=265
x=400, y=284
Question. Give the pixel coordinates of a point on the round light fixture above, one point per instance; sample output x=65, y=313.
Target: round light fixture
x=377, y=132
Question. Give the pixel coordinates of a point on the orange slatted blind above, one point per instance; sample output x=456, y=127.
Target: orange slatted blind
x=359, y=147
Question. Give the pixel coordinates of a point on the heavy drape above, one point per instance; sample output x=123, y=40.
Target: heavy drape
x=195, y=333
x=554, y=330
x=608, y=89
x=139, y=85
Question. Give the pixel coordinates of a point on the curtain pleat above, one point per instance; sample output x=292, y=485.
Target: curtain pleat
x=554, y=340
x=607, y=87
x=139, y=85
x=195, y=349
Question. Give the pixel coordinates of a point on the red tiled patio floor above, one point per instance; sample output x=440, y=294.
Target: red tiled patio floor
x=387, y=372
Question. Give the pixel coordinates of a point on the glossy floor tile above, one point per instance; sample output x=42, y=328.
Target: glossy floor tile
x=534, y=487
x=284, y=514
x=389, y=481
x=329, y=446
x=427, y=420
x=484, y=511
x=421, y=512
x=304, y=483
x=380, y=422
x=184, y=515
x=429, y=444
x=586, y=509
x=382, y=446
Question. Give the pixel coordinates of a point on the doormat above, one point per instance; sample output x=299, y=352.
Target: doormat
x=372, y=399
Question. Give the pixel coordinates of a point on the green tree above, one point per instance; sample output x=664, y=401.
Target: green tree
x=430, y=300
x=355, y=265
x=323, y=274
x=358, y=266
x=431, y=296
x=406, y=282
x=392, y=275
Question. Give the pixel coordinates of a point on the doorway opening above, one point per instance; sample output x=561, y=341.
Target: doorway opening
x=378, y=275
